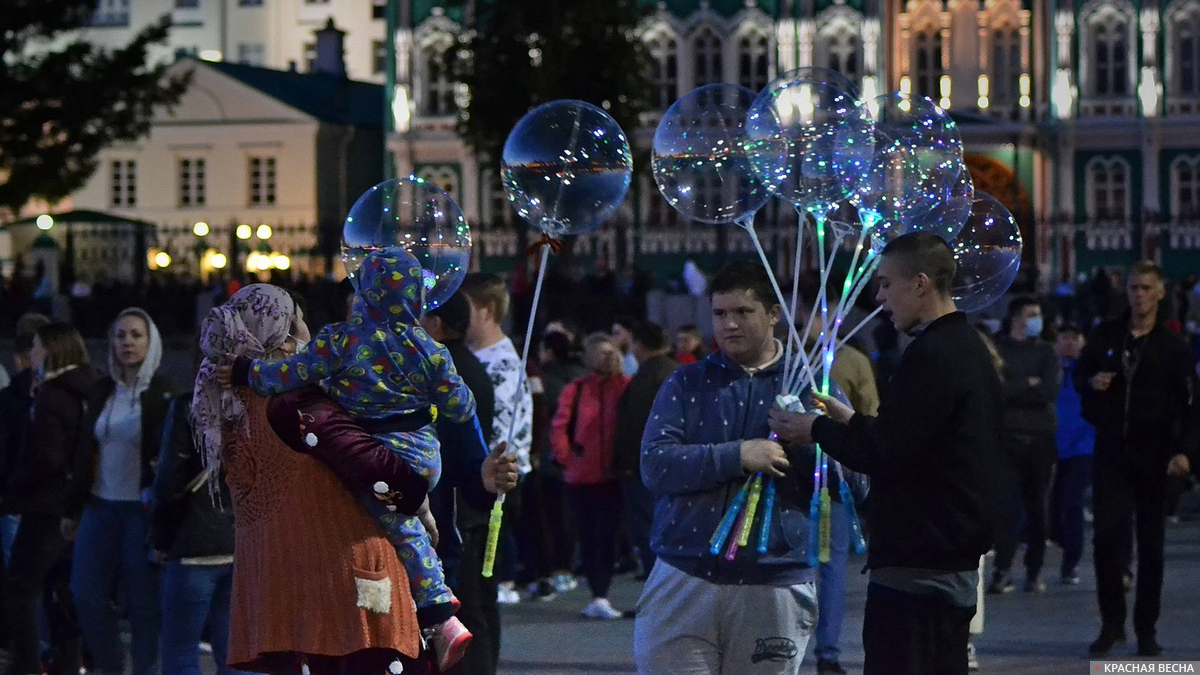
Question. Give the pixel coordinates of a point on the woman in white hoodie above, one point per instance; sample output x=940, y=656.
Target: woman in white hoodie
x=127, y=413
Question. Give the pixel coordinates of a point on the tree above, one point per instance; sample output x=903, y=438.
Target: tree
x=522, y=53
x=63, y=103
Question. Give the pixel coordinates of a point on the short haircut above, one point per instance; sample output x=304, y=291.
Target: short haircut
x=745, y=275
x=650, y=335
x=63, y=344
x=691, y=329
x=924, y=253
x=1017, y=304
x=597, y=338
x=1147, y=267
x=558, y=344
x=455, y=314
x=1069, y=329
x=487, y=290
x=27, y=327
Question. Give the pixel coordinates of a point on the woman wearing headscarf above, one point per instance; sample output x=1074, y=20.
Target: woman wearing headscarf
x=316, y=583
x=126, y=414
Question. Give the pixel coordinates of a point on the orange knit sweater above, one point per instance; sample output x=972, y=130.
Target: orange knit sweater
x=313, y=573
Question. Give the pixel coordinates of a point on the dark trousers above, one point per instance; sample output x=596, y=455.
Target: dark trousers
x=1129, y=487
x=598, y=517
x=479, y=612
x=41, y=568
x=907, y=634
x=542, y=535
x=639, y=515
x=1031, y=468
x=1071, y=481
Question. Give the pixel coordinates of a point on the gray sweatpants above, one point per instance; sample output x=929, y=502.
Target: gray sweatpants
x=687, y=625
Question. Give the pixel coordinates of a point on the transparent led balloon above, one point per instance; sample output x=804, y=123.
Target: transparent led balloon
x=947, y=217
x=566, y=167
x=988, y=254
x=916, y=164
x=421, y=218
x=822, y=133
x=699, y=156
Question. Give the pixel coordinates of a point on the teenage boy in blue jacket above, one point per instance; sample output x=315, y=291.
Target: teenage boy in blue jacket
x=707, y=433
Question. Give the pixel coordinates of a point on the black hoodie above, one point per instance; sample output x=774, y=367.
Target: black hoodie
x=53, y=462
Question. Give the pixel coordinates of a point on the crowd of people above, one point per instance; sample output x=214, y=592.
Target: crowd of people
x=378, y=444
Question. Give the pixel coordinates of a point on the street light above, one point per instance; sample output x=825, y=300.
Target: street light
x=264, y=231
x=280, y=261
x=244, y=231
x=45, y=221
x=218, y=261
x=162, y=259
x=200, y=229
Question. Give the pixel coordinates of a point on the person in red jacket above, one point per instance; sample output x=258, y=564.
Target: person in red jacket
x=582, y=436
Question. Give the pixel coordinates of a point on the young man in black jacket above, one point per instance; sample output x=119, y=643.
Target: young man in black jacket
x=1138, y=388
x=1031, y=382
x=932, y=455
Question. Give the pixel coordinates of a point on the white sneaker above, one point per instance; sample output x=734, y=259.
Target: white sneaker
x=564, y=583
x=507, y=594
x=972, y=657
x=601, y=609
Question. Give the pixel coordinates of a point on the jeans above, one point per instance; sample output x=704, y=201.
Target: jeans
x=598, y=512
x=40, y=570
x=1130, y=489
x=1070, y=487
x=193, y=595
x=831, y=586
x=8, y=533
x=1031, y=470
x=639, y=513
x=110, y=546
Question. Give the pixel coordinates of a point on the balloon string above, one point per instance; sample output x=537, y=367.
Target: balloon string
x=748, y=224
x=862, y=283
x=489, y=557
x=792, y=336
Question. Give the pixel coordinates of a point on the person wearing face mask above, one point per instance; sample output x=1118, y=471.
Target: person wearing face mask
x=583, y=435
x=1031, y=382
x=126, y=415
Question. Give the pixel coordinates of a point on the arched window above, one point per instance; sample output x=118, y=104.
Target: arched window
x=437, y=99
x=754, y=65
x=706, y=47
x=1186, y=53
x=664, y=73
x=1109, y=47
x=840, y=50
x=1006, y=66
x=928, y=71
x=1185, y=188
x=1108, y=189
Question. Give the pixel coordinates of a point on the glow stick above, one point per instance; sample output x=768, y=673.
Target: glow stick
x=764, y=534
x=751, y=509
x=726, y=525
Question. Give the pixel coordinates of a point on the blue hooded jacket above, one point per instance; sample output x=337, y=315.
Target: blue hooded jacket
x=691, y=462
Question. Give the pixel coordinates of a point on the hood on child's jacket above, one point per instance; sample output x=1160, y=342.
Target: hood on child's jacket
x=391, y=289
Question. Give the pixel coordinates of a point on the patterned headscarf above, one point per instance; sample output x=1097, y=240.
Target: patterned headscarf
x=255, y=322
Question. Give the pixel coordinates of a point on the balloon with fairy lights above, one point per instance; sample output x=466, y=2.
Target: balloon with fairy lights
x=699, y=156
x=566, y=167
x=988, y=254
x=421, y=218
x=810, y=138
x=917, y=160
x=950, y=213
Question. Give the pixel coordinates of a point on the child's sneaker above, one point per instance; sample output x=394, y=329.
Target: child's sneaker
x=450, y=640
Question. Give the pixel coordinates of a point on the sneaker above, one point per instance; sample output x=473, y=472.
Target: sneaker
x=564, y=583
x=1071, y=578
x=1001, y=583
x=972, y=657
x=1148, y=646
x=600, y=608
x=450, y=640
x=1034, y=585
x=542, y=591
x=507, y=594
x=827, y=666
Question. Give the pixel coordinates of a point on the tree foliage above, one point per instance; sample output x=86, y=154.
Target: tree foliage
x=65, y=99
x=522, y=53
